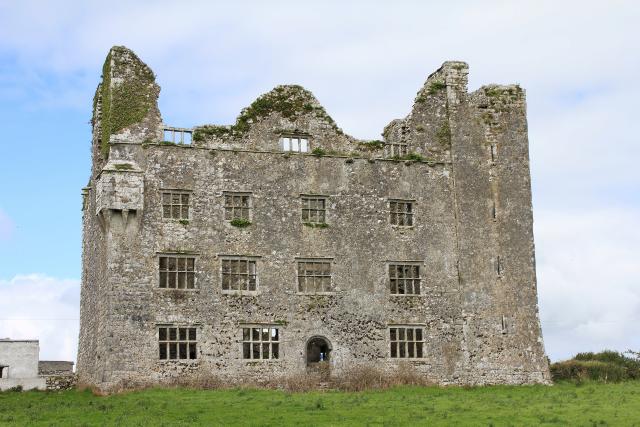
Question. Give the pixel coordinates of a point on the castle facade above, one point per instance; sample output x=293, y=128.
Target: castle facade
x=263, y=248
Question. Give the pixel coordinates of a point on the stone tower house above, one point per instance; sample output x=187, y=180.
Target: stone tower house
x=260, y=249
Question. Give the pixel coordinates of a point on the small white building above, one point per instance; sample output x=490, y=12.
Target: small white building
x=19, y=365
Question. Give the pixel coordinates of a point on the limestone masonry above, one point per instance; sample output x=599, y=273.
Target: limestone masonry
x=278, y=244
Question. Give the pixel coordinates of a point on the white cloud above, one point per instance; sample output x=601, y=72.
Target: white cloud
x=589, y=280
x=6, y=226
x=365, y=61
x=36, y=306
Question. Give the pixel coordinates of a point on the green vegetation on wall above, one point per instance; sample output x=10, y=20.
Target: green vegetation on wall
x=128, y=101
x=291, y=101
x=444, y=134
x=372, y=145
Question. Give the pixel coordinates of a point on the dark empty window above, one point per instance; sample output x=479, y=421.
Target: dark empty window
x=177, y=272
x=237, y=206
x=239, y=275
x=177, y=343
x=314, y=209
x=261, y=343
x=406, y=342
x=401, y=212
x=314, y=275
x=175, y=205
x=404, y=279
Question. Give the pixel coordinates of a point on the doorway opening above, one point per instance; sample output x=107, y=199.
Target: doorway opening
x=318, y=351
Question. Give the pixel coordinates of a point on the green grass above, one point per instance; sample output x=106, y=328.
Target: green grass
x=564, y=404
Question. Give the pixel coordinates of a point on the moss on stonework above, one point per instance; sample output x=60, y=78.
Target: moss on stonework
x=318, y=152
x=316, y=224
x=129, y=100
x=444, y=134
x=123, y=166
x=372, y=145
x=240, y=222
x=435, y=87
x=410, y=156
x=291, y=101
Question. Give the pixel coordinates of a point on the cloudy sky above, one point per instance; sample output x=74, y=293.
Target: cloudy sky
x=578, y=60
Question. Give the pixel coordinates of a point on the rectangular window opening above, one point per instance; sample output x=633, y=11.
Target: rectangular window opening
x=298, y=144
x=314, y=276
x=176, y=272
x=406, y=342
x=404, y=279
x=177, y=135
x=401, y=213
x=314, y=209
x=260, y=343
x=237, y=206
x=397, y=149
x=177, y=343
x=239, y=275
x=175, y=205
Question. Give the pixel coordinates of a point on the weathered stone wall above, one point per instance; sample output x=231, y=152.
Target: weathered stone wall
x=472, y=237
x=61, y=382
x=54, y=367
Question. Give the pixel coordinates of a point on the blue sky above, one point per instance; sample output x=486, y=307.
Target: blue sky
x=364, y=61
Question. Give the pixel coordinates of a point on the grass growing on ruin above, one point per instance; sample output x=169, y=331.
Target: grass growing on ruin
x=588, y=404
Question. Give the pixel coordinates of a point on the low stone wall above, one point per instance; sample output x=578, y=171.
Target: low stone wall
x=61, y=382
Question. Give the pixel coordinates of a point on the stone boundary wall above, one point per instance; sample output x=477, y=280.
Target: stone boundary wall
x=61, y=382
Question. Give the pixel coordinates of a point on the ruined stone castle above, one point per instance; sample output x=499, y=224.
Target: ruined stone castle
x=260, y=249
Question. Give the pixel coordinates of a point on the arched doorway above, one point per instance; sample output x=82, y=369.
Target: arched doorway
x=318, y=351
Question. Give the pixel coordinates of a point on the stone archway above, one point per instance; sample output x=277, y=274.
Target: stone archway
x=318, y=351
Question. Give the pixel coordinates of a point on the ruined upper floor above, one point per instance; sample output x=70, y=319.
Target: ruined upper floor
x=290, y=119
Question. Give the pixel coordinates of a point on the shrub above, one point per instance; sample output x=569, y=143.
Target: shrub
x=240, y=222
x=606, y=366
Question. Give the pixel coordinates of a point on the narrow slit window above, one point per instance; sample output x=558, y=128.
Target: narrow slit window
x=260, y=343
x=177, y=343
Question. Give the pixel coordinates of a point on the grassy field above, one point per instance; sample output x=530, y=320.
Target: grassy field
x=564, y=404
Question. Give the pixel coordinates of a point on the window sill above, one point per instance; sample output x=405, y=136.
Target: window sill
x=177, y=289
x=407, y=295
x=178, y=361
x=316, y=293
x=240, y=293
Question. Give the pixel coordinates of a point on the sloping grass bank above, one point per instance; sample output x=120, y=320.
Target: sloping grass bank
x=589, y=404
